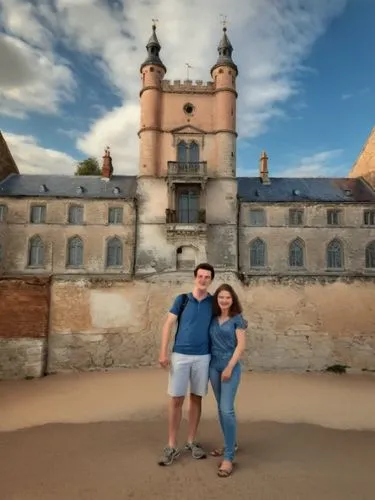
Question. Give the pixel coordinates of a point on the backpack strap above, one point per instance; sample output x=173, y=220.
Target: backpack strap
x=185, y=300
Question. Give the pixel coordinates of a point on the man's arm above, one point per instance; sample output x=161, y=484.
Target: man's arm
x=165, y=336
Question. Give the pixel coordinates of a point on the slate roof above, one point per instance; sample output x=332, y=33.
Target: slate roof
x=317, y=189
x=65, y=186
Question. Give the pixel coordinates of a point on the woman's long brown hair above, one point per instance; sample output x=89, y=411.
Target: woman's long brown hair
x=235, y=308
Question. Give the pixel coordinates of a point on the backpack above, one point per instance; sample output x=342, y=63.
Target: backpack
x=185, y=300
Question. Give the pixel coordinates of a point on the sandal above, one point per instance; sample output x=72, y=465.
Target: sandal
x=219, y=452
x=225, y=472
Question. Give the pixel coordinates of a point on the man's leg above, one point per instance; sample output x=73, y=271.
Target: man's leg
x=198, y=389
x=178, y=383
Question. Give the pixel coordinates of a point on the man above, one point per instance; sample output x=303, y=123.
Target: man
x=189, y=363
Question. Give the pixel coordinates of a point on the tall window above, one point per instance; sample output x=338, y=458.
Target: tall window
x=114, y=252
x=257, y=253
x=188, y=204
x=296, y=251
x=370, y=255
x=38, y=214
x=36, y=252
x=335, y=255
x=75, y=252
x=1, y=252
x=115, y=215
x=75, y=214
x=187, y=152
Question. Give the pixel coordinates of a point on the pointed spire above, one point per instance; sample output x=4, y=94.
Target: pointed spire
x=107, y=167
x=153, y=48
x=225, y=50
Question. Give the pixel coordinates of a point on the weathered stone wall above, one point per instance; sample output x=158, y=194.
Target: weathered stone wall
x=95, y=231
x=292, y=326
x=315, y=234
x=24, y=315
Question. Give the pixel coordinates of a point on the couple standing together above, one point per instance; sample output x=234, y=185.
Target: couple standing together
x=209, y=342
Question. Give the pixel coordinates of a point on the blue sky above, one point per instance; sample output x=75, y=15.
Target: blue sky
x=306, y=83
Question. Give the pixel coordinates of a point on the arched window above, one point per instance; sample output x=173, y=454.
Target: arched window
x=296, y=253
x=188, y=153
x=257, y=253
x=335, y=255
x=36, y=252
x=370, y=255
x=75, y=252
x=114, y=252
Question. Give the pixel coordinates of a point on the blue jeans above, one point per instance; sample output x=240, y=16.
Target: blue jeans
x=225, y=393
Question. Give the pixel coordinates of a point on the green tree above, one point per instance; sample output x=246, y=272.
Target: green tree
x=90, y=166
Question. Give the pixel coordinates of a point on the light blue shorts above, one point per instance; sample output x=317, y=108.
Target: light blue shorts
x=188, y=369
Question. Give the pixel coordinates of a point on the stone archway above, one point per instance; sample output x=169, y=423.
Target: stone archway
x=186, y=257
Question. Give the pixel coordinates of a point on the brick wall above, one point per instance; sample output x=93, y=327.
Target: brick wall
x=24, y=305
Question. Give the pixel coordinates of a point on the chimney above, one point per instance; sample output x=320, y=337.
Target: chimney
x=107, y=168
x=263, y=170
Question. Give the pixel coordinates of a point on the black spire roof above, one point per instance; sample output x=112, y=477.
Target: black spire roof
x=225, y=50
x=153, y=48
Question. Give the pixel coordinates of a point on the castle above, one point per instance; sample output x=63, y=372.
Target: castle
x=186, y=204
x=89, y=265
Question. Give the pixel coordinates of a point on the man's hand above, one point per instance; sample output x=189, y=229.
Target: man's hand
x=226, y=374
x=163, y=360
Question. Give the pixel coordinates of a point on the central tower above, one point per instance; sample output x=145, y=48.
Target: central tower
x=187, y=186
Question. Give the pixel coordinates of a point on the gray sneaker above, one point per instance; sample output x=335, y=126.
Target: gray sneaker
x=196, y=449
x=169, y=454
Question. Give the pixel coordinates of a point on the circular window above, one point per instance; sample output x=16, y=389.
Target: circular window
x=188, y=108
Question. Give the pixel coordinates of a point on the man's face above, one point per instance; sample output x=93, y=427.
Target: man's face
x=203, y=279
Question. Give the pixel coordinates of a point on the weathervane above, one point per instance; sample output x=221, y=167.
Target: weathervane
x=224, y=21
x=188, y=66
x=154, y=22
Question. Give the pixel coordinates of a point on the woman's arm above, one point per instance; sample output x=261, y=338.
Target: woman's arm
x=241, y=345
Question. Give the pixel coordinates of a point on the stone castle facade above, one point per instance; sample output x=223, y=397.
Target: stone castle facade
x=90, y=264
x=187, y=205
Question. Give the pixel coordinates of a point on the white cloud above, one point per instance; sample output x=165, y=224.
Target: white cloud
x=322, y=164
x=271, y=39
x=31, y=158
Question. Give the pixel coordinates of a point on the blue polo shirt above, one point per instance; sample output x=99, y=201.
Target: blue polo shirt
x=192, y=336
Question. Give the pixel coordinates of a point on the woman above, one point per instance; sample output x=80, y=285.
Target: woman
x=227, y=335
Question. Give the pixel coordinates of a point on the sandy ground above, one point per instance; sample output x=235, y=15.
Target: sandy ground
x=96, y=436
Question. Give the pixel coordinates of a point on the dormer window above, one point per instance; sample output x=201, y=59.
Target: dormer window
x=79, y=190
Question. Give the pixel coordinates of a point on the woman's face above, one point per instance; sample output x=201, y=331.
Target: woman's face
x=224, y=300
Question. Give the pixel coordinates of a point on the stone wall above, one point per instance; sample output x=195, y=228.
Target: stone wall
x=293, y=325
x=24, y=315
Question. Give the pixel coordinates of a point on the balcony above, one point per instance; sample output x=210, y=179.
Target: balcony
x=196, y=169
x=182, y=228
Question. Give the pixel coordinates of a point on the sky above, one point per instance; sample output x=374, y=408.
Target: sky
x=70, y=81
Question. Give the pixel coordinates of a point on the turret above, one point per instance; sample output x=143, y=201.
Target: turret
x=224, y=74
x=152, y=71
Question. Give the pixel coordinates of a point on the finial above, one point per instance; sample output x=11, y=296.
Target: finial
x=107, y=151
x=224, y=22
x=154, y=21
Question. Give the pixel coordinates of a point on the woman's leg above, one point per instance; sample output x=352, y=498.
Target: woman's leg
x=228, y=394
x=215, y=379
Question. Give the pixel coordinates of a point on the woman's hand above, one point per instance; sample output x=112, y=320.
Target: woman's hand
x=226, y=374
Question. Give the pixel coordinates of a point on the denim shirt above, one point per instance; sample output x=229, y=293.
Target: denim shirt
x=223, y=337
